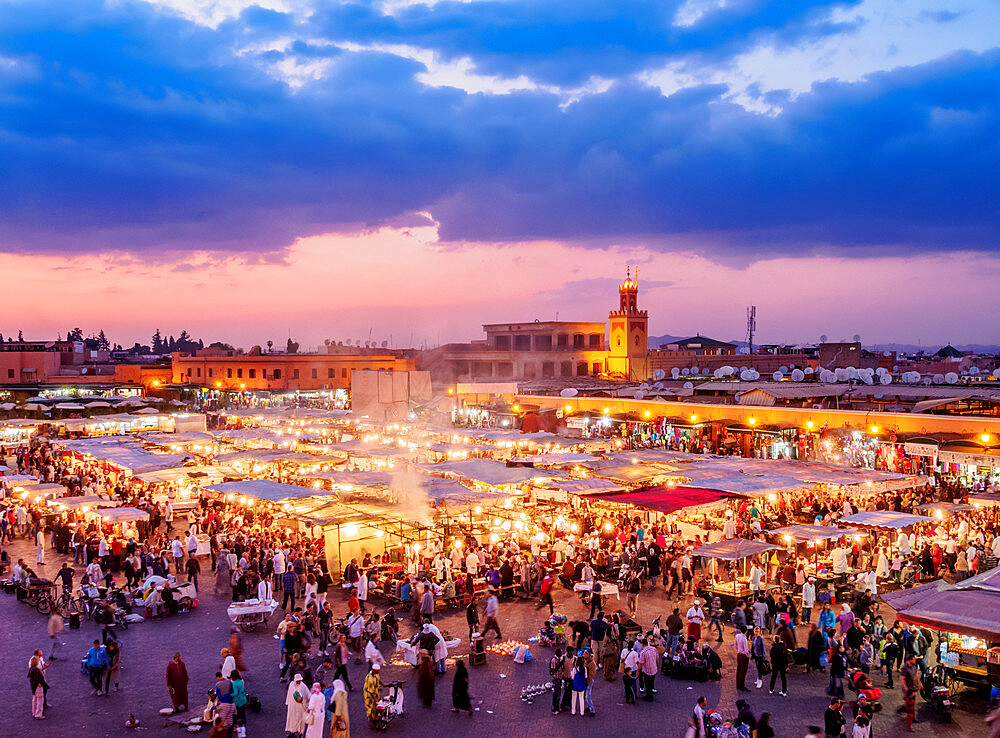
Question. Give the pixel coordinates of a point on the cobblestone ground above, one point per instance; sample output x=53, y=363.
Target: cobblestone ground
x=496, y=687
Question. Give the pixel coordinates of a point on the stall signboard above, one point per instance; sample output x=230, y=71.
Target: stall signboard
x=981, y=460
x=576, y=422
x=920, y=449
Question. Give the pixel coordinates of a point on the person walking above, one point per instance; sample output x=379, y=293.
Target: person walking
x=114, y=670
x=578, y=677
x=460, y=701
x=742, y=646
x=833, y=719
x=838, y=667
x=193, y=569
x=289, y=581
x=715, y=617
x=910, y=683
x=296, y=702
x=56, y=627
x=315, y=717
x=779, y=665
x=177, y=683
x=97, y=661
x=492, y=608
x=890, y=652
x=759, y=654
x=36, y=681
x=340, y=718
x=341, y=655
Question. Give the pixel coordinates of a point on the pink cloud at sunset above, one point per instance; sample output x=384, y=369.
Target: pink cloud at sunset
x=403, y=282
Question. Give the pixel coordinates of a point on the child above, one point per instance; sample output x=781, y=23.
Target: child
x=629, y=679
x=281, y=630
x=241, y=729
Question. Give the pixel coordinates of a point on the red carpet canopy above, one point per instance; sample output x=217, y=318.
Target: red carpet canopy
x=667, y=499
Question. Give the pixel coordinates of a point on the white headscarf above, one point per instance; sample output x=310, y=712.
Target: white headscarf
x=338, y=686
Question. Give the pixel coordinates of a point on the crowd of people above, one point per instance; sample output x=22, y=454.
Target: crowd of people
x=786, y=625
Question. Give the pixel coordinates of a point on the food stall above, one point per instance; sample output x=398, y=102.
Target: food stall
x=967, y=616
x=733, y=550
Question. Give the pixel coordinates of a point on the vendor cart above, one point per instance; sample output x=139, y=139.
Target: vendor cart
x=251, y=613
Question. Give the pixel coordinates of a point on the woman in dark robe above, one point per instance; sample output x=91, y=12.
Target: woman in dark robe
x=425, y=679
x=460, y=689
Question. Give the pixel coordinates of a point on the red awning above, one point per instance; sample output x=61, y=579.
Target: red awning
x=666, y=499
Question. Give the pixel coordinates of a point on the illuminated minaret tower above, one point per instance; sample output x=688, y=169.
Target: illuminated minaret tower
x=628, y=331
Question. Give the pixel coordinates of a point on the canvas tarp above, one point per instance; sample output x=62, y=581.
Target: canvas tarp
x=884, y=519
x=971, y=607
x=665, y=499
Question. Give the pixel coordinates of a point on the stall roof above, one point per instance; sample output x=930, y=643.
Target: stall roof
x=187, y=473
x=637, y=473
x=555, y=459
x=122, y=514
x=353, y=478
x=588, y=486
x=666, y=499
x=946, y=507
x=80, y=501
x=734, y=549
x=970, y=607
x=884, y=519
x=263, y=489
x=811, y=532
x=486, y=471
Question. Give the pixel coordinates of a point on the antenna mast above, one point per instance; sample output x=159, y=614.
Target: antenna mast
x=751, y=325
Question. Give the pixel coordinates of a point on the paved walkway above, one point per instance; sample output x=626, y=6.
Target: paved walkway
x=496, y=687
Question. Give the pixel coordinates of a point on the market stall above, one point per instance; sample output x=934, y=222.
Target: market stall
x=733, y=550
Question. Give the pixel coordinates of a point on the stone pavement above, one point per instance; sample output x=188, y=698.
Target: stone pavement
x=496, y=687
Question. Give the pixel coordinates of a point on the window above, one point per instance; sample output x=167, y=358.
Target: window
x=263, y=373
x=505, y=369
x=482, y=369
x=529, y=370
x=199, y=371
x=277, y=374
x=522, y=343
x=315, y=374
x=636, y=339
x=211, y=371
x=562, y=341
x=329, y=373
x=229, y=373
x=10, y=374
x=548, y=369
x=581, y=369
x=566, y=369
x=189, y=371
x=578, y=341
x=295, y=373
x=596, y=369
x=595, y=340
x=253, y=374
x=543, y=343
x=501, y=343
x=239, y=373
x=343, y=372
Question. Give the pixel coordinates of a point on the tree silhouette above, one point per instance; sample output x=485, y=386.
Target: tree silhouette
x=157, y=345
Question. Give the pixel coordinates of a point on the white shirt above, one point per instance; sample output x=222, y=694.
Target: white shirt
x=363, y=587
x=903, y=543
x=729, y=529
x=373, y=655
x=472, y=564
x=192, y=543
x=839, y=560
x=808, y=594
x=695, y=614
x=228, y=666
x=492, y=604
x=264, y=591
x=178, y=549
x=279, y=563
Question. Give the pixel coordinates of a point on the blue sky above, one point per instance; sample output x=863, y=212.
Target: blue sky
x=736, y=131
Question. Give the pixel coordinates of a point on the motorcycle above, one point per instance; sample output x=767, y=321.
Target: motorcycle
x=935, y=694
x=389, y=707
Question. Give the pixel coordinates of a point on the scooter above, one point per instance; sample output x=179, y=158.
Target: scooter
x=936, y=695
x=389, y=707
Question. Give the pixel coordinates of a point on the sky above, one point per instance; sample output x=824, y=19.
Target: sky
x=405, y=171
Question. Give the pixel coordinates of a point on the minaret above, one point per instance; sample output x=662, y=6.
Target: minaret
x=628, y=331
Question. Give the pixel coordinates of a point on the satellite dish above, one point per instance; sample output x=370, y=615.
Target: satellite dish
x=384, y=344
x=348, y=341
x=798, y=375
x=640, y=395
x=694, y=371
x=685, y=371
x=885, y=379
x=867, y=379
x=842, y=375
x=938, y=379
x=809, y=370
x=927, y=381
x=857, y=338
x=688, y=385
x=973, y=370
x=718, y=373
x=777, y=376
x=675, y=372
x=783, y=369
x=658, y=386
x=659, y=374
x=823, y=339
x=852, y=373
x=951, y=377
x=644, y=386
x=568, y=392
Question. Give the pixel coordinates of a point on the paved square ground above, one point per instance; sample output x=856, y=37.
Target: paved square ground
x=496, y=687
